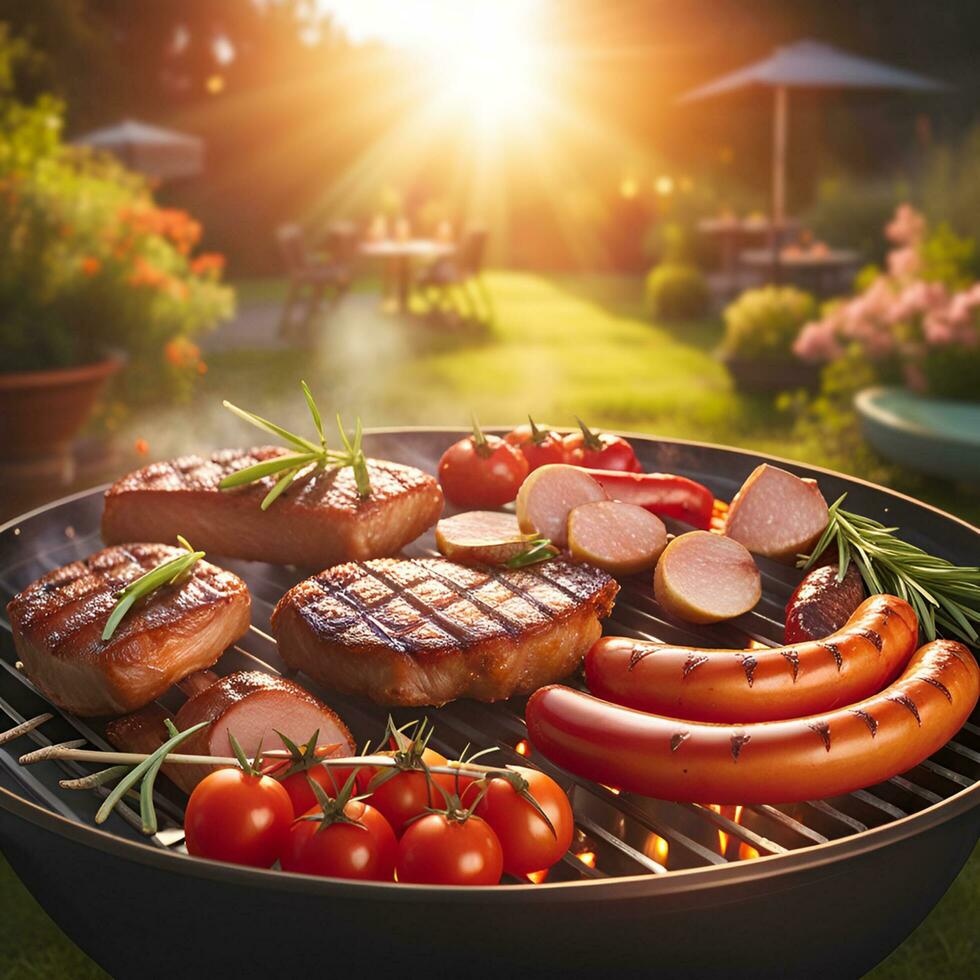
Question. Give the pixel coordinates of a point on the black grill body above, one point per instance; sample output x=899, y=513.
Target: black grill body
x=838, y=884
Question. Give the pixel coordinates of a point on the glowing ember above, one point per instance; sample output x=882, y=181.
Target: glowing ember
x=587, y=857
x=536, y=877
x=612, y=789
x=755, y=645
x=747, y=853
x=522, y=748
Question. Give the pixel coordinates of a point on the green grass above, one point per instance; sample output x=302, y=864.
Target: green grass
x=559, y=347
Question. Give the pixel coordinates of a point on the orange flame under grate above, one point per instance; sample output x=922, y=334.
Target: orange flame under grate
x=744, y=852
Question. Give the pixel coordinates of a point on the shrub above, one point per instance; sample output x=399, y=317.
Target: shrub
x=675, y=291
x=91, y=264
x=765, y=322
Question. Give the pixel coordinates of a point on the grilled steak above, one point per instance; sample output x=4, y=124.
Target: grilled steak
x=427, y=630
x=250, y=704
x=318, y=521
x=57, y=625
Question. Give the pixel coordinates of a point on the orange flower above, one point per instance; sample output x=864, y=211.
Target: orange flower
x=208, y=262
x=145, y=274
x=91, y=266
x=182, y=353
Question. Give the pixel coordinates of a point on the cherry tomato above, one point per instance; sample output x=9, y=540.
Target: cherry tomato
x=441, y=850
x=406, y=794
x=527, y=841
x=297, y=784
x=600, y=451
x=237, y=817
x=342, y=849
x=539, y=446
x=482, y=471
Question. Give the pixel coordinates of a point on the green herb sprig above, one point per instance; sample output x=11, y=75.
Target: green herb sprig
x=145, y=774
x=538, y=549
x=165, y=574
x=307, y=454
x=945, y=596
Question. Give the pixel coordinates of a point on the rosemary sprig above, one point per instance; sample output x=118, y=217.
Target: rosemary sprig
x=306, y=457
x=944, y=596
x=166, y=573
x=538, y=549
x=146, y=772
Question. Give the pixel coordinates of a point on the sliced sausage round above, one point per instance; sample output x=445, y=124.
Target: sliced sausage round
x=621, y=538
x=549, y=495
x=704, y=578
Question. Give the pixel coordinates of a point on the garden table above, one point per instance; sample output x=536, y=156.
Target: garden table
x=732, y=231
x=823, y=271
x=399, y=255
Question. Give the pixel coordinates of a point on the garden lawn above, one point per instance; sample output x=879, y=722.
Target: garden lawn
x=559, y=347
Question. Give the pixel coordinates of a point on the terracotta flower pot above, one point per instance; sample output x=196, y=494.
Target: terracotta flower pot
x=41, y=413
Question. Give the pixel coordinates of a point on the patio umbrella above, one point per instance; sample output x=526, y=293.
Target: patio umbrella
x=808, y=64
x=151, y=150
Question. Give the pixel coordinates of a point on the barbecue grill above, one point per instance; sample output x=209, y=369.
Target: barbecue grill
x=826, y=887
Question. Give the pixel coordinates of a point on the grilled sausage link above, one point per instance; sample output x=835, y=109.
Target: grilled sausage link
x=758, y=685
x=776, y=762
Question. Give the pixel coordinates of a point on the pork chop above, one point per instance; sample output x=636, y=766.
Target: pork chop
x=319, y=521
x=428, y=630
x=57, y=625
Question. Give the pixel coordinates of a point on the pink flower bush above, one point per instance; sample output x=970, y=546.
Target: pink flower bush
x=900, y=316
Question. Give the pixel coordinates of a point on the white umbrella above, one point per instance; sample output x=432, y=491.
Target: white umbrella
x=808, y=64
x=151, y=150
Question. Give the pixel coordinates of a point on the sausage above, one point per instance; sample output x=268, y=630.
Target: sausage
x=758, y=685
x=777, y=514
x=821, y=604
x=788, y=761
x=663, y=494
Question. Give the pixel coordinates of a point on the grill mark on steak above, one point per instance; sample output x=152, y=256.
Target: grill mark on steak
x=577, y=594
x=524, y=594
x=361, y=613
x=457, y=631
x=511, y=627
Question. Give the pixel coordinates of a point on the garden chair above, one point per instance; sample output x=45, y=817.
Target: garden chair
x=308, y=271
x=451, y=279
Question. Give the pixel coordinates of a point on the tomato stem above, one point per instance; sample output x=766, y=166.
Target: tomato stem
x=592, y=441
x=480, y=440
